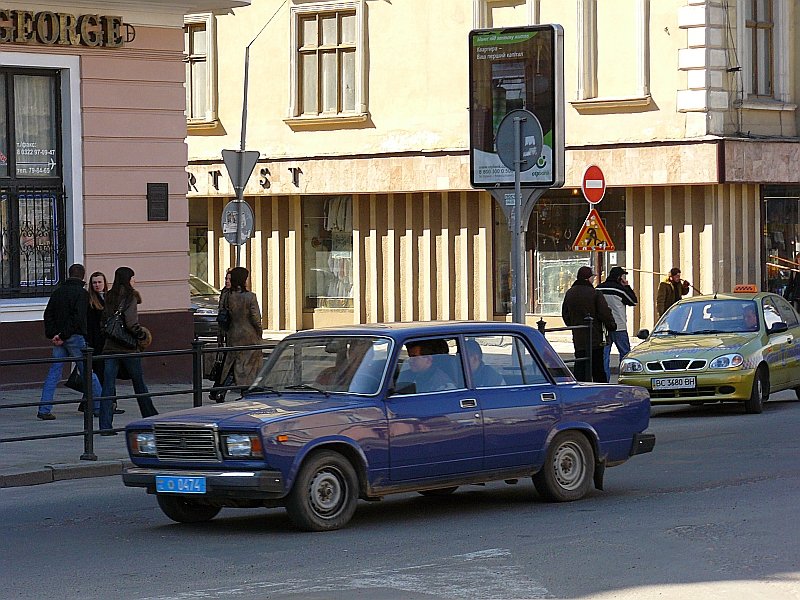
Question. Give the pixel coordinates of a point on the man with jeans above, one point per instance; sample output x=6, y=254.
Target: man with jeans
x=619, y=295
x=65, y=327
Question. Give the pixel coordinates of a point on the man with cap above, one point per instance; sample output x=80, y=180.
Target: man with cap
x=618, y=295
x=583, y=300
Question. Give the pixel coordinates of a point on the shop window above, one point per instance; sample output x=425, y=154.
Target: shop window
x=32, y=200
x=327, y=60
x=781, y=235
x=550, y=261
x=199, y=58
x=328, y=251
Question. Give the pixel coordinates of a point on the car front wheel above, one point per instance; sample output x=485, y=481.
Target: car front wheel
x=325, y=493
x=186, y=511
x=755, y=404
x=568, y=469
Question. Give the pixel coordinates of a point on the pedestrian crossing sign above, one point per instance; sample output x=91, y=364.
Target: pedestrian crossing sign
x=593, y=236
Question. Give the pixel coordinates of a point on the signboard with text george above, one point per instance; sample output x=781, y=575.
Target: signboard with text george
x=517, y=68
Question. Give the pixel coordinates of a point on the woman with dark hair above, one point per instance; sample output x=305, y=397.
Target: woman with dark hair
x=219, y=395
x=124, y=298
x=244, y=330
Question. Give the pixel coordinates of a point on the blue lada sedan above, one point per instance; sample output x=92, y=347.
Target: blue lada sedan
x=364, y=411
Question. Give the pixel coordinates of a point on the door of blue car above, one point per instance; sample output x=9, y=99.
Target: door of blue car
x=435, y=423
x=520, y=405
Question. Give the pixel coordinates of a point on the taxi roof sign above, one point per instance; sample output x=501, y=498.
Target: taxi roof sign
x=745, y=288
x=593, y=235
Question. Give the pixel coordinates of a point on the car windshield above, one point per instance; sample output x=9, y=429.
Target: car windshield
x=198, y=287
x=332, y=363
x=709, y=316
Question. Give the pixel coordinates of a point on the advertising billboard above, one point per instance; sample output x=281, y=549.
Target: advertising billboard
x=511, y=69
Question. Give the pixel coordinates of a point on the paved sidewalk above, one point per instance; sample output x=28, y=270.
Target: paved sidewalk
x=44, y=461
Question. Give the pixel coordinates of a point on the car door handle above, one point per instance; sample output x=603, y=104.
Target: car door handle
x=469, y=403
x=547, y=396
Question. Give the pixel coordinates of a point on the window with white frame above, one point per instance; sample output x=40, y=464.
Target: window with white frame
x=606, y=32
x=764, y=53
x=327, y=60
x=199, y=58
x=759, y=25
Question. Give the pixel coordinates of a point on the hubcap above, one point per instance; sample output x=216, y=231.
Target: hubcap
x=569, y=465
x=327, y=492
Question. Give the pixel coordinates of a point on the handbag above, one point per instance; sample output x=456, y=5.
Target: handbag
x=75, y=381
x=114, y=329
x=216, y=368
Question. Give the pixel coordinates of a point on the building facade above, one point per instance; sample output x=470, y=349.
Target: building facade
x=92, y=160
x=359, y=110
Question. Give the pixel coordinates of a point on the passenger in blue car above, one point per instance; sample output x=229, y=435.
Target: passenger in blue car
x=420, y=374
x=482, y=374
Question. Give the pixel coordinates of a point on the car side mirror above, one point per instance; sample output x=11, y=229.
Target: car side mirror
x=643, y=334
x=778, y=327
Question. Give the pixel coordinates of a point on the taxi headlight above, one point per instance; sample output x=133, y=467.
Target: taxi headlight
x=242, y=445
x=142, y=443
x=630, y=365
x=727, y=361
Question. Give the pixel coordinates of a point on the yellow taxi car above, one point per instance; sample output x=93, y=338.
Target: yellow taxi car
x=735, y=347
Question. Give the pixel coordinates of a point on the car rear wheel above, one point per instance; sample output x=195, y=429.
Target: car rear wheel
x=568, y=468
x=325, y=493
x=186, y=511
x=755, y=404
x=439, y=491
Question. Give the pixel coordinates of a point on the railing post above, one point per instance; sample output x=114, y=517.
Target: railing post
x=541, y=325
x=589, y=321
x=88, y=411
x=197, y=372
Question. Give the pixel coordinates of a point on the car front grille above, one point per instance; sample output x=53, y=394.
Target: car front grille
x=691, y=393
x=187, y=442
x=676, y=364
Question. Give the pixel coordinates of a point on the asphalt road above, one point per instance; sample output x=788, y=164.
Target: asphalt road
x=711, y=513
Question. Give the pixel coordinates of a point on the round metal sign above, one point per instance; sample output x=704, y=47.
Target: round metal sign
x=231, y=215
x=531, y=140
x=593, y=184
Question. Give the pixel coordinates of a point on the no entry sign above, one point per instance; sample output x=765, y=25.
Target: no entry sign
x=594, y=184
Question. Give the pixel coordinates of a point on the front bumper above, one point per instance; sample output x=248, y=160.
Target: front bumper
x=718, y=386
x=229, y=484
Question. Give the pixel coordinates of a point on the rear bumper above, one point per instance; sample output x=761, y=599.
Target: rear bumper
x=231, y=484
x=642, y=443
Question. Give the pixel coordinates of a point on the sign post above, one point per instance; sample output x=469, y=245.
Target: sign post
x=517, y=127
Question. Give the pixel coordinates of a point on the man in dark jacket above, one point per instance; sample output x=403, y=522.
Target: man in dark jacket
x=65, y=327
x=619, y=295
x=581, y=301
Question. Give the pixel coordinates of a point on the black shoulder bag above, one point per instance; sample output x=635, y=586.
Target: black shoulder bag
x=114, y=329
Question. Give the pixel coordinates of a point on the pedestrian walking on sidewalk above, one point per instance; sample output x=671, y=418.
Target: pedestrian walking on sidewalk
x=244, y=330
x=220, y=379
x=619, y=295
x=124, y=298
x=65, y=326
x=583, y=300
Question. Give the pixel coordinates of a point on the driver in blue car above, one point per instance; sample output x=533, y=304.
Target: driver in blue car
x=422, y=373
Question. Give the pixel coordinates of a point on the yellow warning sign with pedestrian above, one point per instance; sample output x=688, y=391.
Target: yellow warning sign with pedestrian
x=593, y=236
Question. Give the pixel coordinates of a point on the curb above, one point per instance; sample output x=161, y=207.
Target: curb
x=62, y=472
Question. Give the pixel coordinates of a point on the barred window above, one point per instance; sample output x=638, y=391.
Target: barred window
x=32, y=200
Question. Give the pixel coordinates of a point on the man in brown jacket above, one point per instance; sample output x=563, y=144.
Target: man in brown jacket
x=583, y=300
x=672, y=289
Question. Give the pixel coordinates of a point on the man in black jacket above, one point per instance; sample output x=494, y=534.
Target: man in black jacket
x=65, y=327
x=583, y=300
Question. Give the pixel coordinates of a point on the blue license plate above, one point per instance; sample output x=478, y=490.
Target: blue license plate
x=174, y=484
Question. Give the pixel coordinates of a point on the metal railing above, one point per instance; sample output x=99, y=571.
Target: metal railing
x=541, y=325
x=197, y=351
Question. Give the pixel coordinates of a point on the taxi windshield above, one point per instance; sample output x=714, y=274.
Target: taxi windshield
x=709, y=317
x=325, y=364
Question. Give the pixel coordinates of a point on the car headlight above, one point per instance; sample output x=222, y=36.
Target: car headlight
x=142, y=443
x=727, y=361
x=206, y=312
x=630, y=365
x=242, y=445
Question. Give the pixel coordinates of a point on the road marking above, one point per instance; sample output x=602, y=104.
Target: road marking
x=481, y=575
